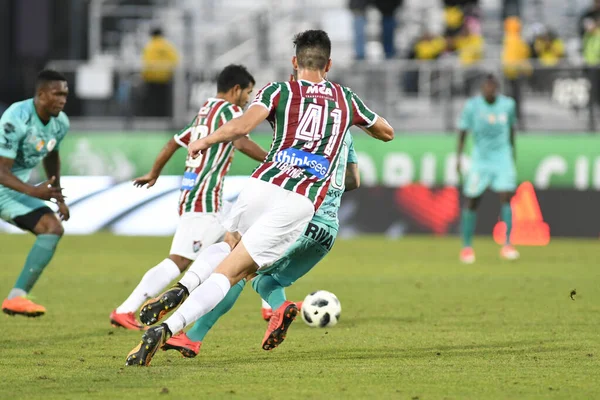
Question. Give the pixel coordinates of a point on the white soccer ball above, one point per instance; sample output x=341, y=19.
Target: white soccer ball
x=321, y=309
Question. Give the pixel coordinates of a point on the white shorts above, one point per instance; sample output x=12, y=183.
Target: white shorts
x=269, y=218
x=195, y=232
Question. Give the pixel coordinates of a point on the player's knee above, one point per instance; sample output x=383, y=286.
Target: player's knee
x=49, y=225
x=232, y=239
x=181, y=262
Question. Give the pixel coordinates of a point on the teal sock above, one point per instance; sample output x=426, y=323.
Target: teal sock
x=270, y=290
x=468, y=221
x=206, y=322
x=506, y=213
x=39, y=256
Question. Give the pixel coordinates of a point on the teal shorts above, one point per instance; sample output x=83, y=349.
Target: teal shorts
x=500, y=177
x=14, y=204
x=314, y=244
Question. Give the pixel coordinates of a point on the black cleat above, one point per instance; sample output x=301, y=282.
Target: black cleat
x=155, y=309
x=152, y=340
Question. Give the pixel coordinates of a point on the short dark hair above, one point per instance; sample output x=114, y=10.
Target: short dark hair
x=156, y=32
x=48, y=75
x=489, y=77
x=233, y=75
x=313, y=49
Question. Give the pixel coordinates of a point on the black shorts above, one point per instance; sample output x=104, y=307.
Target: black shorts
x=28, y=221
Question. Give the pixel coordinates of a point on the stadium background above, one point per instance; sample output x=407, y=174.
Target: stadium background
x=409, y=186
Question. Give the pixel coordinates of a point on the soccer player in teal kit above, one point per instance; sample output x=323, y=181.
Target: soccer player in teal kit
x=490, y=118
x=30, y=132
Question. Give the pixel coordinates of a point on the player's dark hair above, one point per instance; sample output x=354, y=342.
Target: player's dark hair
x=234, y=75
x=156, y=32
x=48, y=75
x=313, y=49
x=491, y=78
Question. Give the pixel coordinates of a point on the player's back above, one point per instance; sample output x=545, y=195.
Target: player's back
x=26, y=139
x=309, y=121
x=490, y=125
x=202, y=184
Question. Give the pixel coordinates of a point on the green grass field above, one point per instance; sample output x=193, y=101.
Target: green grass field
x=415, y=325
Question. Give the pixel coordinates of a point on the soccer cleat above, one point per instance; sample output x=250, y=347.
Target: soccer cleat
x=154, y=338
x=467, y=255
x=22, y=306
x=125, y=320
x=508, y=252
x=155, y=309
x=279, y=324
x=183, y=344
x=267, y=313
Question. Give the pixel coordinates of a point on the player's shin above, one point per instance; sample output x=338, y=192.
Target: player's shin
x=200, y=302
x=40, y=255
x=468, y=221
x=206, y=322
x=204, y=265
x=269, y=289
x=506, y=214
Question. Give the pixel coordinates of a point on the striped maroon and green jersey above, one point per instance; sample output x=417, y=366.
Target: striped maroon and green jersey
x=202, y=184
x=309, y=122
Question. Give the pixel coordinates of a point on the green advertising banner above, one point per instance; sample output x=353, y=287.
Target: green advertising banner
x=562, y=161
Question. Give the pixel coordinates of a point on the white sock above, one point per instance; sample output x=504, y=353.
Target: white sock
x=153, y=282
x=205, y=265
x=265, y=305
x=201, y=301
x=16, y=293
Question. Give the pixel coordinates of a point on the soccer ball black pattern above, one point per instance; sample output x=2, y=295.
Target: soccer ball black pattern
x=321, y=309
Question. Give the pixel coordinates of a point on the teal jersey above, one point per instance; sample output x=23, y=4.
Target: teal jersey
x=25, y=139
x=490, y=125
x=328, y=211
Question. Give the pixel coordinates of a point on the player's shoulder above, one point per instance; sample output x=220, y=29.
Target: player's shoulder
x=474, y=101
x=507, y=100
x=19, y=112
x=232, y=110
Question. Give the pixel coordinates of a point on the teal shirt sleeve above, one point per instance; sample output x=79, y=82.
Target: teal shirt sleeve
x=352, y=158
x=465, y=121
x=12, y=132
x=63, y=120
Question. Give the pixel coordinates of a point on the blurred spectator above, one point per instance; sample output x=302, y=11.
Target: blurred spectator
x=591, y=14
x=511, y=8
x=387, y=8
x=515, y=60
x=591, y=55
x=159, y=60
x=426, y=47
x=457, y=13
x=548, y=48
x=469, y=45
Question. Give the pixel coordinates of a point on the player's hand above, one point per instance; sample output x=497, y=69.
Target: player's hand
x=63, y=211
x=197, y=147
x=46, y=191
x=149, y=179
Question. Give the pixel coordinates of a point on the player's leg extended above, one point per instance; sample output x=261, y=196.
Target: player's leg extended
x=505, y=183
x=156, y=308
x=33, y=215
x=234, y=268
x=153, y=282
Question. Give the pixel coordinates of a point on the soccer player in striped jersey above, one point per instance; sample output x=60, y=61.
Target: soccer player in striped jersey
x=309, y=118
x=201, y=189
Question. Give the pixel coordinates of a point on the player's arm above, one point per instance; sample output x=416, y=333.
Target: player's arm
x=371, y=123
x=250, y=148
x=159, y=163
x=52, y=167
x=352, y=178
x=464, y=124
x=44, y=191
x=512, y=142
x=232, y=130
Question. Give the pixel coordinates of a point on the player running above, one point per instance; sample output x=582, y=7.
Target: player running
x=201, y=189
x=310, y=118
x=491, y=118
x=30, y=132
x=311, y=247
